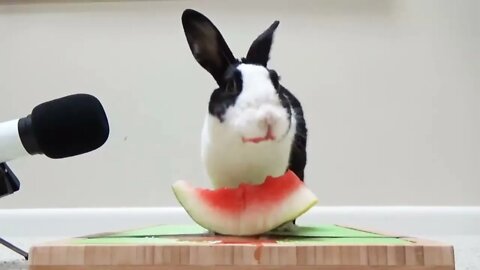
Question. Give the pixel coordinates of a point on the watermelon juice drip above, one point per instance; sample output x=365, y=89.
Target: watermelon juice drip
x=234, y=200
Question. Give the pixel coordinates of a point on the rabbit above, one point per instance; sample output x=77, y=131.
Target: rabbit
x=254, y=126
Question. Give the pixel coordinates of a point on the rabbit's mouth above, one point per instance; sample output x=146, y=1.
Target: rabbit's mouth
x=268, y=137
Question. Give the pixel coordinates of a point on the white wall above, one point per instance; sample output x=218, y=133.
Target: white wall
x=390, y=90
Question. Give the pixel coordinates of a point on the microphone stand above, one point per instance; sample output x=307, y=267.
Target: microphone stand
x=9, y=184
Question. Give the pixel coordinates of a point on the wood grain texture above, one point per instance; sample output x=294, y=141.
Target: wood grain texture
x=91, y=257
x=221, y=267
x=418, y=254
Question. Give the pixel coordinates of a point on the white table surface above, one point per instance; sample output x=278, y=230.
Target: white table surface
x=467, y=251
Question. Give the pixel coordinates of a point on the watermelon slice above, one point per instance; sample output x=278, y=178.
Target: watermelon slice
x=249, y=209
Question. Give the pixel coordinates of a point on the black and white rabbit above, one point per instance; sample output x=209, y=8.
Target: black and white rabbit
x=254, y=127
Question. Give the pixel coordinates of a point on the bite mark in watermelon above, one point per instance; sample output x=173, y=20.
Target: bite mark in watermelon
x=249, y=209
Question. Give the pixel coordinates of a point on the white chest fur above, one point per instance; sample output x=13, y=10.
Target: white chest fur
x=229, y=161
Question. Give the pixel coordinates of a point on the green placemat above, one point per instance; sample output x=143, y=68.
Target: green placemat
x=195, y=234
x=326, y=231
x=301, y=231
x=161, y=230
x=213, y=240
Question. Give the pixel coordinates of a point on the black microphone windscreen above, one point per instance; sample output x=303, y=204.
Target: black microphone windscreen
x=70, y=125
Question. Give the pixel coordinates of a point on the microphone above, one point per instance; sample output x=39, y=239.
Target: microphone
x=59, y=128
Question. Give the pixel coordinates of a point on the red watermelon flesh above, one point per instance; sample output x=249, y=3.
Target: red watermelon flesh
x=249, y=209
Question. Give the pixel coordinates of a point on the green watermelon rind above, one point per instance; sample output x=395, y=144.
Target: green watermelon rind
x=181, y=201
x=210, y=226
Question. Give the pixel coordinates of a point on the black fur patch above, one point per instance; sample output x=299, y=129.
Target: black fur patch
x=284, y=100
x=224, y=97
x=274, y=78
x=298, y=156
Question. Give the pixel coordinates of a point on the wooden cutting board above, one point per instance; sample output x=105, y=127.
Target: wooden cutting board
x=190, y=247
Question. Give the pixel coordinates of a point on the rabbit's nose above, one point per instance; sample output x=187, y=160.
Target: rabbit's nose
x=267, y=119
x=270, y=119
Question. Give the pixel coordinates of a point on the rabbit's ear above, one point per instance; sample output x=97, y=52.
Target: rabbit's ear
x=259, y=52
x=207, y=44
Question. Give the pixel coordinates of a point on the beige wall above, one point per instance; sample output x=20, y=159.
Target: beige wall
x=391, y=91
